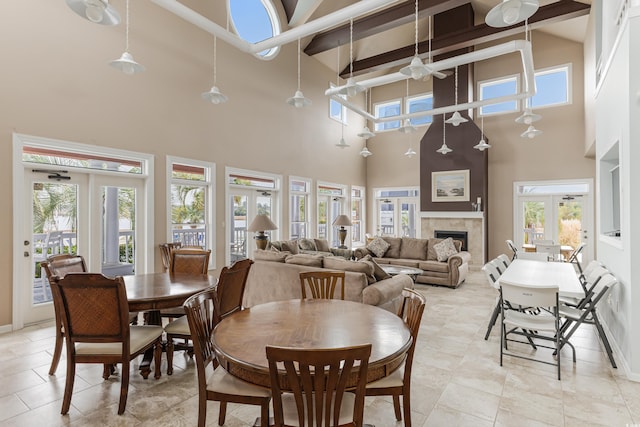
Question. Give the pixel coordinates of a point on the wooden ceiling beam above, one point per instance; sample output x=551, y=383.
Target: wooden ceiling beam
x=378, y=22
x=552, y=13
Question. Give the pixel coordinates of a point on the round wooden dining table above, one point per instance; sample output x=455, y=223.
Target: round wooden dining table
x=155, y=291
x=240, y=339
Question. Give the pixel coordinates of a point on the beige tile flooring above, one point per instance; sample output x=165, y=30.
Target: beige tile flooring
x=457, y=380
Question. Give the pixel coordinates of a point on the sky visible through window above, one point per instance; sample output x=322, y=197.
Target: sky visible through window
x=251, y=19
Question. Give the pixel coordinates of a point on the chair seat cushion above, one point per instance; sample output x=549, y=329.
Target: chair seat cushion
x=396, y=379
x=180, y=326
x=290, y=412
x=140, y=337
x=220, y=381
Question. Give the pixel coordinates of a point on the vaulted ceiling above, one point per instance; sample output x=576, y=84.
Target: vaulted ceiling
x=384, y=39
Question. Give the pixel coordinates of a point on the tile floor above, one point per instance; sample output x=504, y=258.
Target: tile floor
x=457, y=380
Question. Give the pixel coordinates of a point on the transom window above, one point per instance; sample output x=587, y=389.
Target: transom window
x=417, y=103
x=81, y=160
x=255, y=21
x=388, y=109
x=337, y=111
x=496, y=88
x=552, y=87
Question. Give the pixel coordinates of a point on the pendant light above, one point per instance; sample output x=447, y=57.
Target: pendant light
x=126, y=63
x=531, y=132
x=510, y=12
x=214, y=95
x=407, y=127
x=482, y=145
x=456, y=118
x=416, y=69
x=298, y=100
x=351, y=88
x=444, y=149
x=365, y=132
x=365, y=151
x=410, y=152
x=528, y=116
x=342, y=143
x=97, y=11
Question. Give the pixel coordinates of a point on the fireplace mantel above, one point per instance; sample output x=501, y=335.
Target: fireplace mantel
x=452, y=214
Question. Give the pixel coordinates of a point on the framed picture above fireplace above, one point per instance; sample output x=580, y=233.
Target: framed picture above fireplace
x=450, y=186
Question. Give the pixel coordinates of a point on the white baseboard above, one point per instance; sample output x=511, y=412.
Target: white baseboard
x=621, y=361
x=4, y=329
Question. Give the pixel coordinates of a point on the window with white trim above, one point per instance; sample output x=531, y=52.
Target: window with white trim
x=496, y=88
x=552, y=87
x=299, y=193
x=387, y=109
x=255, y=21
x=417, y=103
x=357, y=215
x=337, y=111
x=331, y=202
x=191, y=203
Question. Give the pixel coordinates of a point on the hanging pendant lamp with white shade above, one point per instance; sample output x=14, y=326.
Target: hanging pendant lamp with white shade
x=365, y=132
x=298, y=100
x=126, y=63
x=444, y=149
x=365, y=151
x=407, y=127
x=351, y=88
x=511, y=12
x=456, y=118
x=410, y=152
x=97, y=11
x=531, y=132
x=482, y=145
x=342, y=143
x=528, y=117
x=214, y=95
x=417, y=69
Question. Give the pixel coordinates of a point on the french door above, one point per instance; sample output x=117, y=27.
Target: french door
x=397, y=216
x=93, y=215
x=244, y=205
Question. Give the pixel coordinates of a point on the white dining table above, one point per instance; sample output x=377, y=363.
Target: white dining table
x=526, y=272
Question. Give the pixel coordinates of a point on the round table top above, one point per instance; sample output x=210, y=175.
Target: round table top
x=155, y=291
x=240, y=339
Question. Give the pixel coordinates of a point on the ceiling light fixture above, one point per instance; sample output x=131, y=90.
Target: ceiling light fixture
x=351, y=88
x=365, y=132
x=444, y=149
x=531, y=132
x=482, y=145
x=98, y=11
x=511, y=12
x=456, y=118
x=342, y=143
x=298, y=100
x=410, y=152
x=214, y=95
x=407, y=127
x=126, y=63
x=365, y=151
x=528, y=116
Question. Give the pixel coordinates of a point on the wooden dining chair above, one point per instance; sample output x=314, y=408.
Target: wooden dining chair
x=322, y=284
x=165, y=252
x=220, y=386
x=95, y=317
x=399, y=382
x=60, y=265
x=324, y=391
x=186, y=261
x=227, y=300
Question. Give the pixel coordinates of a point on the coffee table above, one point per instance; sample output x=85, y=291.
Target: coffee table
x=400, y=269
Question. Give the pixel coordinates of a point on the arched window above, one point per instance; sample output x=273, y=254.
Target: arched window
x=255, y=21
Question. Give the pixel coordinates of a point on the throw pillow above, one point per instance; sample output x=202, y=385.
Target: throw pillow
x=307, y=245
x=274, y=256
x=322, y=245
x=275, y=245
x=378, y=247
x=341, y=264
x=445, y=249
x=305, y=259
x=431, y=252
x=394, y=246
x=378, y=272
x=291, y=246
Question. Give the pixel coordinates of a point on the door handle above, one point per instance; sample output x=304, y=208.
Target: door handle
x=26, y=254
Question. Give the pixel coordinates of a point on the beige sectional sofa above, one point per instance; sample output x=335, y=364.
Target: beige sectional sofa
x=275, y=276
x=420, y=253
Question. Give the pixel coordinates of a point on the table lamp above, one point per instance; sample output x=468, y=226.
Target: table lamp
x=342, y=221
x=260, y=224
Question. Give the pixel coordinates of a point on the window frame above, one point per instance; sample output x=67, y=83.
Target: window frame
x=378, y=105
x=342, y=118
x=407, y=109
x=209, y=184
x=358, y=239
x=276, y=28
x=550, y=70
x=308, y=203
x=496, y=81
x=342, y=198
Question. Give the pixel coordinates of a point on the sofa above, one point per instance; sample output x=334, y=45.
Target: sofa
x=275, y=276
x=309, y=246
x=421, y=253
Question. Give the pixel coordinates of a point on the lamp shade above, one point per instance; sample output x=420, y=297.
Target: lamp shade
x=261, y=223
x=342, y=221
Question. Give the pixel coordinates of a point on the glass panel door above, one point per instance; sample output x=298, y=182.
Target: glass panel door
x=118, y=231
x=408, y=218
x=386, y=217
x=244, y=205
x=533, y=219
x=570, y=231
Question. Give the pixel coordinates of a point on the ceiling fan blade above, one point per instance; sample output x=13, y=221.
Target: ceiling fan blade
x=439, y=74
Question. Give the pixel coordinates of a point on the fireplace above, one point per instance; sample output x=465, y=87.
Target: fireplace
x=456, y=235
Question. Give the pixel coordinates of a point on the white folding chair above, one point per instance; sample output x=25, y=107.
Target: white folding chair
x=575, y=256
x=536, y=256
x=513, y=248
x=542, y=242
x=492, y=274
x=505, y=260
x=552, y=251
x=540, y=317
